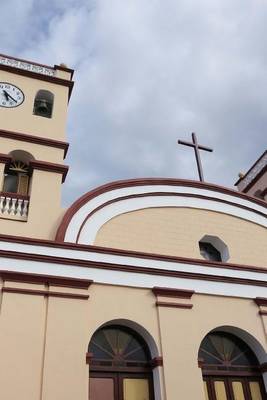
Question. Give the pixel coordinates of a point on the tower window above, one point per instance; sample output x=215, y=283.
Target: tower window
x=208, y=251
x=17, y=178
x=43, y=104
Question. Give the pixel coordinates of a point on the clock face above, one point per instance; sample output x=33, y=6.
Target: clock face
x=10, y=95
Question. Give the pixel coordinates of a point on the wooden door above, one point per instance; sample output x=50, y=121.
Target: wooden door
x=233, y=388
x=117, y=386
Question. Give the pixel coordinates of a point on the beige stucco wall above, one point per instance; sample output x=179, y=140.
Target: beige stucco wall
x=38, y=151
x=43, y=341
x=177, y=231
x=45, y=211
x=21, y=346
x=21, y=119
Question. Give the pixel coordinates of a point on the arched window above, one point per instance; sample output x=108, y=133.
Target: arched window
x=230, y=369
x=43, y=104
x=16, y=179
x=120, y=365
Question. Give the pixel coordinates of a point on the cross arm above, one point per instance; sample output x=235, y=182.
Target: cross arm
x=190, y=144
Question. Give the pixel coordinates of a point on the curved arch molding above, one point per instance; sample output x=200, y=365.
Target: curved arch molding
x=86, y=216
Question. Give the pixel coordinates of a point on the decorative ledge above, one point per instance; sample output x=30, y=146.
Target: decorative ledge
x=261, y=301
x=23, y=277
x=168, y=297
x=49, y=293
x=46, y=285
x=89, y=357
x=25, y=137
x=169, y=292
x=157, y=362
x=5, y=159
x=50, y=167
x=173, y=305
x=262, y=304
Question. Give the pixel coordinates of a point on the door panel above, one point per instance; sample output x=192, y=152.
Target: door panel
x=135, y=389
x=220, y=390
x=238, y=390
x=230, y=388
x=101, y=388
x=255, y=390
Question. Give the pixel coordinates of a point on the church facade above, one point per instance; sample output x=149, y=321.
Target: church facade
x=145, y=289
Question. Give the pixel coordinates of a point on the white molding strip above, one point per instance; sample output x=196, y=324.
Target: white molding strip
x=133, y=279
x=217, y=202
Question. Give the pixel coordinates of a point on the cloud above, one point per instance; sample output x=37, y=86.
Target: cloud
x=148, y=73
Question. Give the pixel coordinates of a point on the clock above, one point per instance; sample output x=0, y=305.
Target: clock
x=10, y=95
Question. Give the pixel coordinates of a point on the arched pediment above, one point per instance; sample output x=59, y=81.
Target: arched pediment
x=88, y=214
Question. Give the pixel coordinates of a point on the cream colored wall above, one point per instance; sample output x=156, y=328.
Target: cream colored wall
x=63, y=74
x=45, y=212
x=21, y=346
x=177, y=231
x=21, y=119
x=65, y=371
x=39, y=152
x=43, y=342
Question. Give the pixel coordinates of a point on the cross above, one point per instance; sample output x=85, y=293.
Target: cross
x=196, y=147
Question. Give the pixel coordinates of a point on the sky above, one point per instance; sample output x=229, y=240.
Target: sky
x=147, y=73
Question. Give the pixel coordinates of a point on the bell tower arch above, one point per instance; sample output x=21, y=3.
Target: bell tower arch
x=33, y=112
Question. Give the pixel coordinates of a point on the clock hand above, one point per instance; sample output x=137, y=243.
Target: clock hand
x=9, y=95
x=6, y=95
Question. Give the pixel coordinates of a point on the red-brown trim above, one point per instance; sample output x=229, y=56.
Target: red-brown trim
x=200, y=362
x=173, y=305
x=89, y=357
x=130, y=253
x=41, y=77
x=264, y=192
x=48, y=293
x=156, y=362
x=144, y=182
x=24, y=137
x=251, y=168
x=261, y=301
x=49, y=280
x=5, y=159
x=231, y=373
x=129, y=268
x=50, y=167
x=263, y=367
x=169, y=292
x=262, y=312
x=15, y=195
x=163, y=194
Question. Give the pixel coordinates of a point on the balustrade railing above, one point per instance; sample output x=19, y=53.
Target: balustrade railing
x=14, y=206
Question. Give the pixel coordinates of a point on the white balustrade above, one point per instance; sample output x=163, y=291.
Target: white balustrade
x=13, y=206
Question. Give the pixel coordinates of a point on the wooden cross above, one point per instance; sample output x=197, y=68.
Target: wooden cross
x=196, y=147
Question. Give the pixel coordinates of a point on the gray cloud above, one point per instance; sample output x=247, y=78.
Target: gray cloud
x=148, y=73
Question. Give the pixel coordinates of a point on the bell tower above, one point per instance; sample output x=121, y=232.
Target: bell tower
x=33, y=112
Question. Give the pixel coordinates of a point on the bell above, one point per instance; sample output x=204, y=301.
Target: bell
x=42, y=107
